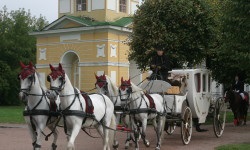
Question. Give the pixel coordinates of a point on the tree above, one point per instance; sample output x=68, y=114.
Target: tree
x=184, y=28
x=15, y=45
x=232, y=55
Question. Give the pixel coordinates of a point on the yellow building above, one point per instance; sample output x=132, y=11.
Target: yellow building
x=88, y=38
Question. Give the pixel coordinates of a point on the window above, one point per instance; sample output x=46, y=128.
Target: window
x=209, y=83
x=197, y=81
x=123, y=6
x=81, y=5
x=204, y=83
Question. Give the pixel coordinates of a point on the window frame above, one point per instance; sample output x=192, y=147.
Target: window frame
x=123, y=6
x=82, y=3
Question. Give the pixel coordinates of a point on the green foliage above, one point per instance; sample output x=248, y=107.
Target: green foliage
x=232, y=55
x=184, y=28
x=15, y=45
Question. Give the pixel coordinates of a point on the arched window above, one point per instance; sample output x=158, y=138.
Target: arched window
x=123, y=6
x=81, y=5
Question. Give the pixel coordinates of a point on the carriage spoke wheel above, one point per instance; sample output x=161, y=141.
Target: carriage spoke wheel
x=186, y=125
x=170, y=127
x=219, y=117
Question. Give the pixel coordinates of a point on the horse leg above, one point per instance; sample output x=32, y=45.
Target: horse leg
x=160, y=128
x=136, y=131
x=127, y=122
x=112, y=132
x=55, y=135
x=154, y=124
x=106, y=139
x=32, y=134
x=143, y=134
x=39, y=130
x=72, y=136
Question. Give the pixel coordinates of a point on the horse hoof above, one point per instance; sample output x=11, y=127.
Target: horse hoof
x=147, y=144
x=116, y=145
x=54, y=146
x=157, y=148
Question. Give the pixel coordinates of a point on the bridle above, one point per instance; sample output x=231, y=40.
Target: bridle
x=30, y=74
x=129, y=91
x=104, y=85
x=54, y=75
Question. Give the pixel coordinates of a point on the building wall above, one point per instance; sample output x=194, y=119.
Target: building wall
x=86, y=49
x=100, y=10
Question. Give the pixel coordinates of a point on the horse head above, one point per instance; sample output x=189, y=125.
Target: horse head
x=27, y=78
x=229, y=95
x=125, y=89
x=101, y=84
x=56, y=77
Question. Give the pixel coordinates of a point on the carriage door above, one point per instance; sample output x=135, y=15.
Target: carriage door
x=206, y=94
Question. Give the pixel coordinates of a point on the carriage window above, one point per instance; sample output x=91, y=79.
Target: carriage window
x=81, y=5
x=123, y=6
x=197, y=81
x=204, y=83
x=209, y=83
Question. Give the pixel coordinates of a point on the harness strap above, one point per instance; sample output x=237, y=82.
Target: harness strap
x=142, y=110
x=36, y=112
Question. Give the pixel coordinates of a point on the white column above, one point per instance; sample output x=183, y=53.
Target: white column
x=117, y=6
x=128, y=7
x=89, y=5
x=72, y=9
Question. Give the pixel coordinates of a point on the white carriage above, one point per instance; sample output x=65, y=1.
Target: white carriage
x=195, y=102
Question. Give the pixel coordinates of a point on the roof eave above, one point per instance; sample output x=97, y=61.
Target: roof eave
x=89, y=28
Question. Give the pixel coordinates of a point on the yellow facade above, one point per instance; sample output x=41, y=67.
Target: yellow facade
x=85, y=48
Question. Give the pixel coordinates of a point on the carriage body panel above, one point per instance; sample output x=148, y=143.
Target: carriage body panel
x=174, y=103
x=199, y=94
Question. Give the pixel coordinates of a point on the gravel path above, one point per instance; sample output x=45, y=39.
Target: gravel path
x=16, y=137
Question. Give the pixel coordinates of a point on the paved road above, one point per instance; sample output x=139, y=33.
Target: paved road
x=16, y=137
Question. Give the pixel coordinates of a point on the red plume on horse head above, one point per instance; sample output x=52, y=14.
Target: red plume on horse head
x=51, y=67
x=22, y=65
x=126, y=81
x=26, y=70
x=29, y=66
x=60, y=67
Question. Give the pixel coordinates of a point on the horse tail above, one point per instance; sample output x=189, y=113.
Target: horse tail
x=112, y=131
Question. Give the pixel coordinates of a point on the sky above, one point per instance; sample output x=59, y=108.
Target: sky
x=46, y=8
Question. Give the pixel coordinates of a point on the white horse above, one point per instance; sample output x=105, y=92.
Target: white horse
x=80, y=112
x=37, y=111
x=141, y=109
x=105, y=85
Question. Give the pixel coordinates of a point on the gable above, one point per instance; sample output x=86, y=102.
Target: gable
x=67, y=22
x=73, y=22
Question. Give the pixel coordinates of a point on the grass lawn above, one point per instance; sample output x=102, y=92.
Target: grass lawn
x=11, y=114
x=243, y=146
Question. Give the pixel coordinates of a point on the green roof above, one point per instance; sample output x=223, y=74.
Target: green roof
x=122, y=22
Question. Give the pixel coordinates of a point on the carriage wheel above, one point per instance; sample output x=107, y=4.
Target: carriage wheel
x=170, y=127
x=219, y=117
x=186, y=125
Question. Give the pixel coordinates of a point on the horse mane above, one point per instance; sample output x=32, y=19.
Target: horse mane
x=112, y=86
x=42, y=85
x=136, y=88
